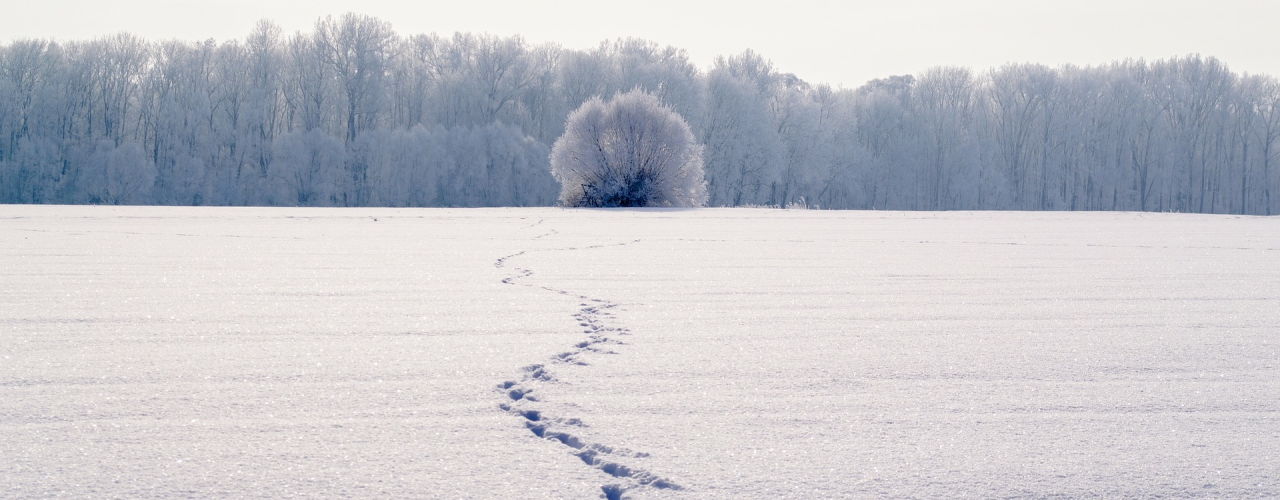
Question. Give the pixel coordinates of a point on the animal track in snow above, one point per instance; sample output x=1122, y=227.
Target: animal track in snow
x=520, y=398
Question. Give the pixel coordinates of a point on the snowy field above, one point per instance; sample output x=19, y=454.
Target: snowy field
x=581, y=354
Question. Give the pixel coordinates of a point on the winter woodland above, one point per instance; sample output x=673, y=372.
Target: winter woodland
x=354, y=114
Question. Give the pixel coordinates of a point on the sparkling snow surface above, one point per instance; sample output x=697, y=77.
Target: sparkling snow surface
x=722, y=353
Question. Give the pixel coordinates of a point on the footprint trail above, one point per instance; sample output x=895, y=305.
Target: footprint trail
x=520, y=396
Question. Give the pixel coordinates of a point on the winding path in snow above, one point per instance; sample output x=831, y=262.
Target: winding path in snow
x=520, y=396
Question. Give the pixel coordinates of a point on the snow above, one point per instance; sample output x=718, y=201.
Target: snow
x=164, y=352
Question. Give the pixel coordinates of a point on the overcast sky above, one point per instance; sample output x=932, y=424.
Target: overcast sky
x=838, y=42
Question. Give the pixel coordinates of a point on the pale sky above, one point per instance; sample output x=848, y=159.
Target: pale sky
x=841, y=43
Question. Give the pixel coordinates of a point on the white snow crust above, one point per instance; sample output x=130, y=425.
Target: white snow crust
x=165, y=352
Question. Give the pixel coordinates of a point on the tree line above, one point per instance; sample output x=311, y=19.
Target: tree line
x=354, y=114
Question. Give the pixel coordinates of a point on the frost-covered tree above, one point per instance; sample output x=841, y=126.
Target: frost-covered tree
x=119, y=175
x=356, y=49
x=308, y=165
x=746, y=154
x=632, y=151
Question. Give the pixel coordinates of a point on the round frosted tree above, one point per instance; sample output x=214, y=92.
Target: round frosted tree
x=632, y=151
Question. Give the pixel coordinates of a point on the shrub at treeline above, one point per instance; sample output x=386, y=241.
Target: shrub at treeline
x=352, y=114
x=631, y=151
